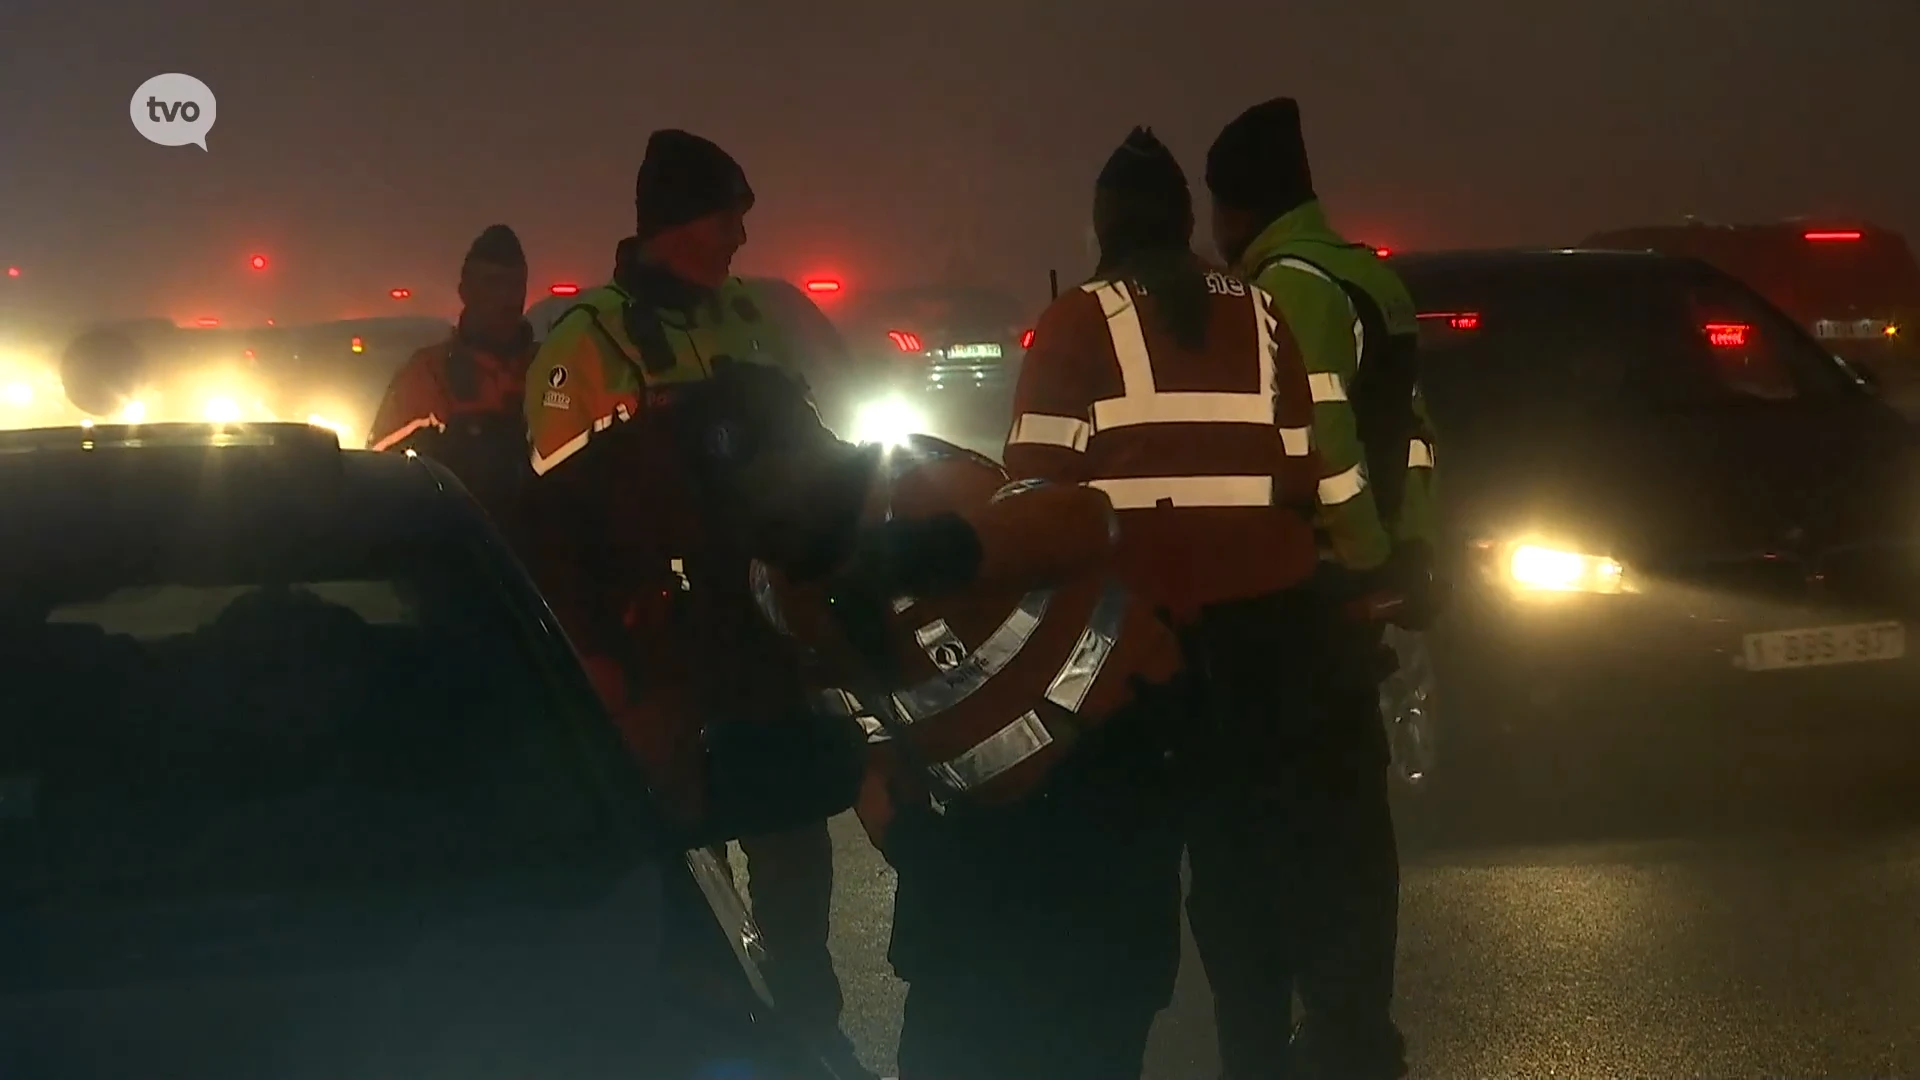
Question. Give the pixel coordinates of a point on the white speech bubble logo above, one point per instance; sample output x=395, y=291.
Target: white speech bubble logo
x=173, y=110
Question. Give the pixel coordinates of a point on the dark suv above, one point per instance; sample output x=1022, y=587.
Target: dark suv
x=1674, y=515
x=298, y=778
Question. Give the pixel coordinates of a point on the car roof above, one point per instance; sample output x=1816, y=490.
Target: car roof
x=154, y=465
x=1525, y=259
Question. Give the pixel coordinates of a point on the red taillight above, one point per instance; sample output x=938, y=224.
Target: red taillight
x=1383, y=252
x=13, y=271
x=207, y=321
x=258, y=262
x=1832, y=235
x=823, y=285
x=1026, y=340
x=1727, y=335
x=565, y=288
x=1455, y=320
x=400, y=294
x=248, y=354
x=358, y=345
x=905, y=341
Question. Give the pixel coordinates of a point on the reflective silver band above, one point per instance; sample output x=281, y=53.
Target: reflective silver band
x=950, y=688
x=995, y=754
x=941, y=644
x=1076, y=678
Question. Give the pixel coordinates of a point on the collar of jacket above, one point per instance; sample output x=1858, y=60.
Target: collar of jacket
x=519, y=346
x=1308, y=221
x=651, y=285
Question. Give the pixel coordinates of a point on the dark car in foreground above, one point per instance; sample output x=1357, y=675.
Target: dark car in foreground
x=1674, y=517
x=298, y=778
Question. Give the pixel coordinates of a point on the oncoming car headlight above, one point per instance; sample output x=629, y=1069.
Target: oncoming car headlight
x=1534, y=567
x=890, y=421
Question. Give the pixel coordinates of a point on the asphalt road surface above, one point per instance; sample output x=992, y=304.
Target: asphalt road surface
x=1777, y=938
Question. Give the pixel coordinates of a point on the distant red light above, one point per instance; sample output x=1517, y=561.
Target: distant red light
x=206, y=320
x=565, y=288
x=1830, y=236
x=1455, y=320
x=1727, y=335
x=906, y=341
x=258, y=262
x=1026, y=340
x=400, y=294
x=1383, y=252
x=248, y=354
x=13, y=271
x=823, y=285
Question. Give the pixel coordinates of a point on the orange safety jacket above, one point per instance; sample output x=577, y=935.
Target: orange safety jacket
x=989, y=686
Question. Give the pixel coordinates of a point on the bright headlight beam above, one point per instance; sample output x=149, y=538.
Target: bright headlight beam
x=889, y=422
x=223, y=410
x=1546, y=569
x=135, y=412
x=19, y=395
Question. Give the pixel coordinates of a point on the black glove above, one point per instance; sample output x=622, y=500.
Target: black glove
x=917, y=557
x=766, y=777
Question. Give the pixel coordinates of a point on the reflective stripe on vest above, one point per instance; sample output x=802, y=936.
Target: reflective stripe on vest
x=1141, y=402
x=964, y=673
x=1419, y=453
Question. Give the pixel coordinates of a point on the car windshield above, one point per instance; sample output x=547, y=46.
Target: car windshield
x=217, y=679
x=1612, y=336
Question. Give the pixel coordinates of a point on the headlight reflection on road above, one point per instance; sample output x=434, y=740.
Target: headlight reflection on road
x=889, y=422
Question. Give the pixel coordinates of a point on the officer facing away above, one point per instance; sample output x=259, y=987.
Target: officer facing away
x=457, y=401
x=663, y=615
x=1187, y=394
x=1334, y=849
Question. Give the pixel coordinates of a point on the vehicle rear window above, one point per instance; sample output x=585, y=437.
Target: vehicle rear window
x=231, y=694
x=1533, y=338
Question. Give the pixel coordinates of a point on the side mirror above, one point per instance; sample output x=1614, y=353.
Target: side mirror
x=773, y=776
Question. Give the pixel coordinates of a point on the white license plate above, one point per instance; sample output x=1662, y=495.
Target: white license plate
x=986, y=351
x=1822, y=646
x=1850, y=329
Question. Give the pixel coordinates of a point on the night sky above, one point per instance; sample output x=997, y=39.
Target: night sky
x=362, y=143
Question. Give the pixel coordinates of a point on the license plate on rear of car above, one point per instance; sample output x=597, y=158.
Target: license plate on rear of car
x=1822, y=646
x=981, y=351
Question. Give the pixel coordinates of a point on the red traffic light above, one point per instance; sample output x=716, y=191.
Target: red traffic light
x=400, y=294
x=258, y=262
x=565, y=288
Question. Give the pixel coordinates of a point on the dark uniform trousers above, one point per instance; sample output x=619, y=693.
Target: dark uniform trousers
x=1290, y=842
x=1039, y=941
x=790, y=891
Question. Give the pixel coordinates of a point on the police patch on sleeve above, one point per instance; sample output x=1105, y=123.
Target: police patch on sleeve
x=557, y=378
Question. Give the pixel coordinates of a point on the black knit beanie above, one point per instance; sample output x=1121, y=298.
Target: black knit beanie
x=1141, y=199
x=499, y=246
x=1259, y=161
x=684, y=178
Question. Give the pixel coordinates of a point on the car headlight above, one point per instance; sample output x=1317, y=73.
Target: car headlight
x=19, y=395
x=890, y=421
x=1539, y=568
x=222, y=410
x=134, y=412
x=351, y=437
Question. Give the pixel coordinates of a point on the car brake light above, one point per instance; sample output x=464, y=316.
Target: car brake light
x=13, y=271
x=1383, y=252
x=358, y=345
x=207, y=321
x=565, y=288
x=905, y=341
x=1829, y=236
x=1026, y=340
x=400, y=294
x=258, y=262
x=1727, y=335
x=1455, y=320
x=823, y=285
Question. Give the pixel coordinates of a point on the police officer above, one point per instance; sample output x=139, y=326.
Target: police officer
x=673, y=316
x=1018, y=780
x=458, y=401
x=1184, y=391
x=1357, y=327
